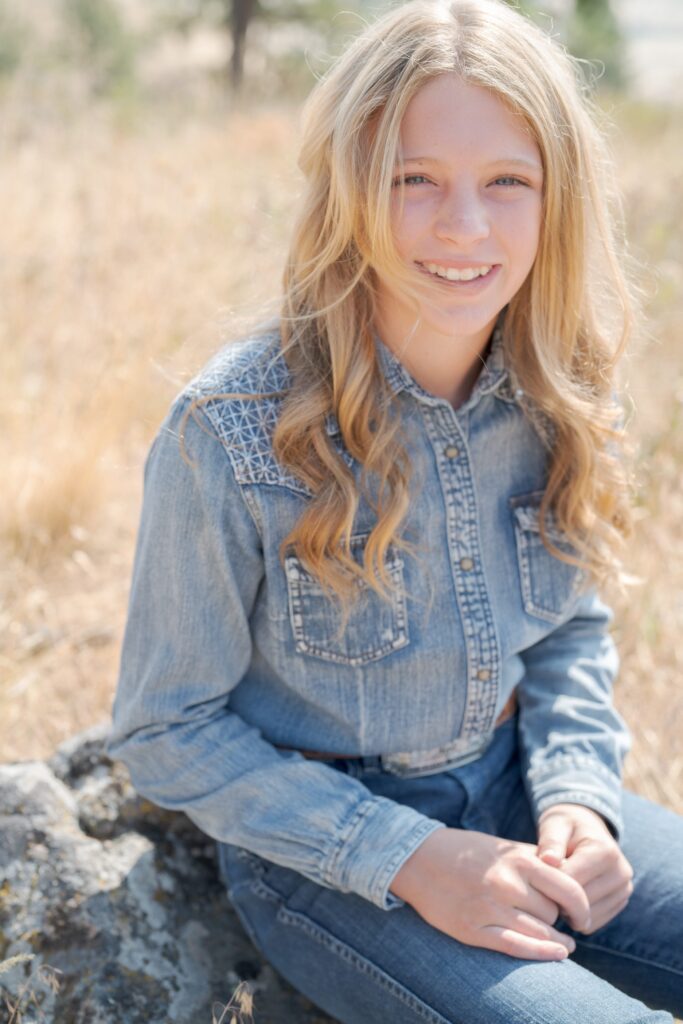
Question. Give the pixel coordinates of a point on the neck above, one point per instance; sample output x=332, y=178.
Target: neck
x=446, y=367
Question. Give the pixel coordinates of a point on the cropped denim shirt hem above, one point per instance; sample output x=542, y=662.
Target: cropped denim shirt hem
x=229, y=654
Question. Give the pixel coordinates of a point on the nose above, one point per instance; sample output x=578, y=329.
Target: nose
x=461, y=217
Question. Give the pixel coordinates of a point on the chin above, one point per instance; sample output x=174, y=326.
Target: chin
x=460, y=323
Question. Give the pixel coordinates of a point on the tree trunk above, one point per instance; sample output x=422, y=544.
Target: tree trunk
x=241, y=13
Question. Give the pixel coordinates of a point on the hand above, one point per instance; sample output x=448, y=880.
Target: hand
x=491, y=892
x=577, y=840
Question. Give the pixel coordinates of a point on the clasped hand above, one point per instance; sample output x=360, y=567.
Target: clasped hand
x=576, y=840
x=504, y=895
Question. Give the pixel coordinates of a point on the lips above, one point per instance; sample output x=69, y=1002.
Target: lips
x=474, y=284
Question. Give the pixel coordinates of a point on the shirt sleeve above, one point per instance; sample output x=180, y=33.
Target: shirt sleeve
x=187, y=644
x=572, y=739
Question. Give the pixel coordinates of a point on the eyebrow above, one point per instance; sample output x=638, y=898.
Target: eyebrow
x=507, y=160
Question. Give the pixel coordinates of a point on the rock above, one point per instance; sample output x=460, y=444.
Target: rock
x=113, y=907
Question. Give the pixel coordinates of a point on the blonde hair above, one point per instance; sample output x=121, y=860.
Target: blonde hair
x=563, y=332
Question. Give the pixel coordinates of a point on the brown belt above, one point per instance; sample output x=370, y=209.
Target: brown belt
x=322, y=755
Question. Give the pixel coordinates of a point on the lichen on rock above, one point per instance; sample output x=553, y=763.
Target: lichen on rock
x=113, y=906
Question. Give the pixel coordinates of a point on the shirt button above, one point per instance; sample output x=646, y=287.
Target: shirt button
x=452, y=451
x=483, y=674
x=466, y=563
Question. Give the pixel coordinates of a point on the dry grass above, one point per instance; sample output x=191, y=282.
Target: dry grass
x=240, y=1007
x=26, y=999
x=650, y=620
x=125, y=249
x=238, y=1010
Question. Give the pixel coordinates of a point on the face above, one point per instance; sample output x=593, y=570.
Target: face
x=471, y=178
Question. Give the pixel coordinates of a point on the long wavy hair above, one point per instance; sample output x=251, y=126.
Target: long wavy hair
x=563, y=332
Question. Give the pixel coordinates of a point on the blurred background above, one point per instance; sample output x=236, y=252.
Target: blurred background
x=147, y=182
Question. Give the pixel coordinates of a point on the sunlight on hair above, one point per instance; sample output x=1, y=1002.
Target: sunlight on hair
x=564, y=332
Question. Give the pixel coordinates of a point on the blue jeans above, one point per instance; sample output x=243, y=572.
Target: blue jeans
x=363, y=965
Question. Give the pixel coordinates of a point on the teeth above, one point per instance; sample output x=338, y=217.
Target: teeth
x=451, y=274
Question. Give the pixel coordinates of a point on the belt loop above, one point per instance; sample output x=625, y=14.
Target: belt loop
x=371, y=764
x=357, y=766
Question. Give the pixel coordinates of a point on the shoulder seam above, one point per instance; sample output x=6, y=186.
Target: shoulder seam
x=244, y=427
x=247, y=504
x=245, y=365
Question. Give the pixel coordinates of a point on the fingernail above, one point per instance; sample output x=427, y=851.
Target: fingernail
x=571, y=945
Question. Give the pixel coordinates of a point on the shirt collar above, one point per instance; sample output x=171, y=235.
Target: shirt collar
x=492, y=375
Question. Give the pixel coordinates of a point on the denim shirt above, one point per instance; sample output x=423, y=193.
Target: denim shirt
x=228, y=654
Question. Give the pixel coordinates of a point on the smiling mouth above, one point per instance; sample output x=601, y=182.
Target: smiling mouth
x=460, y=276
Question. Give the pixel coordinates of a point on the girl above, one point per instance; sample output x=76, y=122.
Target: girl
x=365, y=648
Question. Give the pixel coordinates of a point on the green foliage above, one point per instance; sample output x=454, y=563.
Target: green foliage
x=104, y=44
x=594, y=35
x=590, y=32
x=183, y=15
x=12, y=39
x=324, y=28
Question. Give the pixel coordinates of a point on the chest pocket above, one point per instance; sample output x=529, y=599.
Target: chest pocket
x=549, y=586
x=375, y=628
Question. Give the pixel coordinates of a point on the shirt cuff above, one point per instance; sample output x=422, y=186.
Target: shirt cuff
x=372, y=847
x=577, y=779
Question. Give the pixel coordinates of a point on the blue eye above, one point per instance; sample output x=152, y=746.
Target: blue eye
x=409, y=179
x=508, y=178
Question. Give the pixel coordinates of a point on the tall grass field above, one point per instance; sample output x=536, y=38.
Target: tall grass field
x=132, y=245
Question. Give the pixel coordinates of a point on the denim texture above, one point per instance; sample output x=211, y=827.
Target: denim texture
x=228, y=653
x=363, y=966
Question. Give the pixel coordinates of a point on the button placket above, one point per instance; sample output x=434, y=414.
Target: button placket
x=482, y=645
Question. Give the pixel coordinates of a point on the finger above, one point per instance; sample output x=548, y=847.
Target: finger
x=527, y=924
x=606, y=910
x=507, y=940
x=534, y=902
x=589, y=861
x=593, y=866
x=551, y=857
x=607, y=886
x=554, y=833
x=563, y=890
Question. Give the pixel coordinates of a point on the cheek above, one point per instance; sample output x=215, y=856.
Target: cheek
x=402, y=238
x=523, y=232
x=408, y=227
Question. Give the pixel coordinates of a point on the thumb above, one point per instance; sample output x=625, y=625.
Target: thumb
x=554, y=833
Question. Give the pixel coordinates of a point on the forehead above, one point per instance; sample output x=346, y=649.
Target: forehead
x=448, y=117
